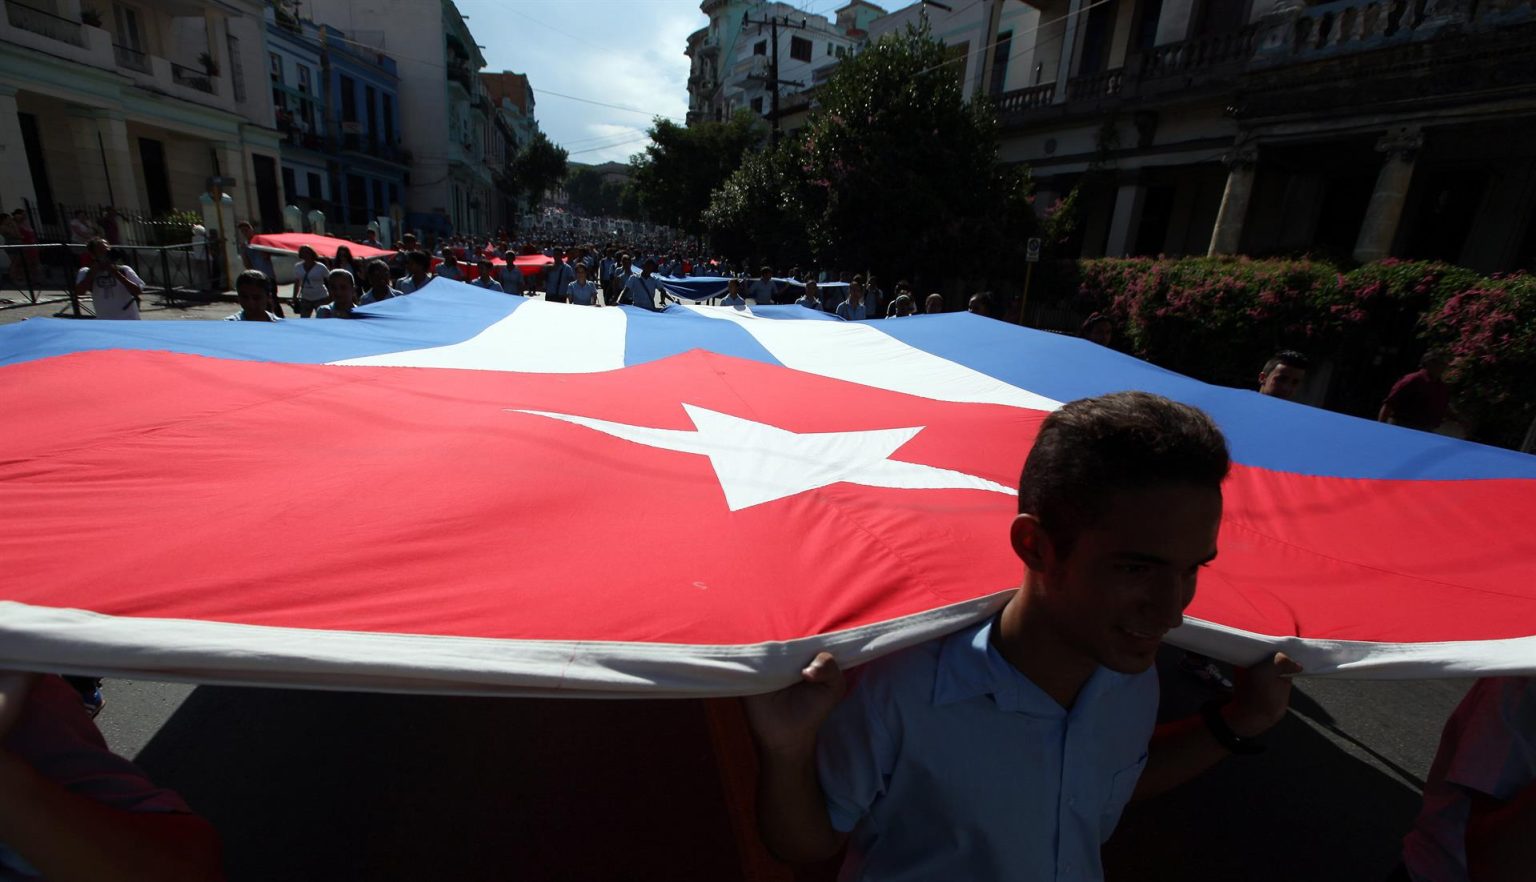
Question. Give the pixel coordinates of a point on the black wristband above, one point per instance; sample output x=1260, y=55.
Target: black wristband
x=1214, y=721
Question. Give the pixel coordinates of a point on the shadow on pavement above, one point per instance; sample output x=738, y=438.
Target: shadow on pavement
x=322, y=785
x=1303, y=810
x=319, y=785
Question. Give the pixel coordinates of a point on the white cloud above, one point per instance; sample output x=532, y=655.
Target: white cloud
x=631, y=55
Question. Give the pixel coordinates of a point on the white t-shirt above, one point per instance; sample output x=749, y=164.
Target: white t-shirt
x=1488, y=747
x=312, y=282
x=108, y=296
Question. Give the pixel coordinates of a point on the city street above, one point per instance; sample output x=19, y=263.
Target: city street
x=321, y=785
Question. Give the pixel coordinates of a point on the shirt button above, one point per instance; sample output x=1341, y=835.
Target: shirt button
x=1072, y=801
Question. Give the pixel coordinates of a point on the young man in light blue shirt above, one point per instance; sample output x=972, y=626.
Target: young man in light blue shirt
x=763, y=289
x=1008, y=749
x=418, y=272
x=557, y=278
x=852, y=309
x=811, y=299
x=641, y=289
x=582, y=292
x=449, y=268
x=376, y=275
x=485, y=277
x=733, y=296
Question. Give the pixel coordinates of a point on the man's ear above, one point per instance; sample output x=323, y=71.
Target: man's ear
x=1031, y=543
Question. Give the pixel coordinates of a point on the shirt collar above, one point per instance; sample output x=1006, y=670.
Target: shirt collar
x=970, y=666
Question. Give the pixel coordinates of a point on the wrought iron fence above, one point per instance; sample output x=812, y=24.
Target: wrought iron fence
x=178, y=273
x=41, y=21
x=33, y=274
x=117, y=226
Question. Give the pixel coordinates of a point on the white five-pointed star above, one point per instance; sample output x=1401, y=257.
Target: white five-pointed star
x=758, y=463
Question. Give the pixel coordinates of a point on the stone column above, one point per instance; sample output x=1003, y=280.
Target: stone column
x=106, y=168
x=1125, y=223
x=1227, y=236
x=1068, y=51
x=1385, y=211
x=15, y=170
x=230, y=156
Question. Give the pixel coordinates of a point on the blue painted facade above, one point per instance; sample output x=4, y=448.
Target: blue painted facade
x=371, y=168
x=338, y=111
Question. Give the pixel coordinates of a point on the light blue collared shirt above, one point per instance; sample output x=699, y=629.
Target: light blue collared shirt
x=945, y=762
x=852, y=312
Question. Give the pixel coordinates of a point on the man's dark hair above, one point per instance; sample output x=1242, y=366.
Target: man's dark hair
x=251, y=277
x=1093, y=448
x=413, y=258
x=1289, y=358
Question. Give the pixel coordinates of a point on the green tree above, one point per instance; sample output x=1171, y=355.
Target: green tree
x=537, y=167
x=760, y=210
x=676, y=173
x=894, y=172
x=584, y=186
x=592, y=195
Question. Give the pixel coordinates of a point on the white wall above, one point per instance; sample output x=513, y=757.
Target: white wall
x=414, y=37
x=1022, y=21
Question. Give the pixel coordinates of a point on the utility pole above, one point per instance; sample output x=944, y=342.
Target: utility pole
x=775, y=22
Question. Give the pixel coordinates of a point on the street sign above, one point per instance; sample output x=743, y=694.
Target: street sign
x=1032, y=251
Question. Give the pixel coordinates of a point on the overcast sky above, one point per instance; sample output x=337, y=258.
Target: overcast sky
x=622, y=52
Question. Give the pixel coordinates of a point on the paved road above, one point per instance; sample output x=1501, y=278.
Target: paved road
x=317, y=785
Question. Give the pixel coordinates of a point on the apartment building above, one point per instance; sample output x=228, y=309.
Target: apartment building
x=135, y=105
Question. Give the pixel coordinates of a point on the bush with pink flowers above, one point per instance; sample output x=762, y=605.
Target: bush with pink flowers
x=1218, y=319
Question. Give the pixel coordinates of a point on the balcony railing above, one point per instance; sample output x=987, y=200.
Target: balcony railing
x=1349, y=26
x=1202, y=53
x=460, y=73
x=132, y=59
x=1094, y=86
x=192, y=79
x=40, y=21
x=1026, y=99
x=356, y=143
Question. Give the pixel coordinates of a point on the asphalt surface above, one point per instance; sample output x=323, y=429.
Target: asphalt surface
x=338, y=785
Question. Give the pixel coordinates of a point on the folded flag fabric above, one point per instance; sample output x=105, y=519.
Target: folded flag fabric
x=715, y=287
x=325, y=246
x=465, y=492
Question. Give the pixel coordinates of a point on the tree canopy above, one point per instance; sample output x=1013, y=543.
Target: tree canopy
x=894, y=170
x=537, y=167
x=592, y=195
x=683, y=165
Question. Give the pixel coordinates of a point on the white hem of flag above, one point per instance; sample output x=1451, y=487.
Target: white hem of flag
x=1363, y=660
x=81, y=642
x=71, y=641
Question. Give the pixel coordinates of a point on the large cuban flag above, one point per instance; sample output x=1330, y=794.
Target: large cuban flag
x=465, y=492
